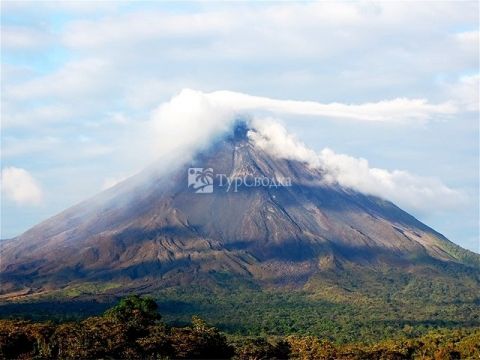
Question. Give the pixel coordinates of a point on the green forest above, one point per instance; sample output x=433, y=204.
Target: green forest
x=134, y=329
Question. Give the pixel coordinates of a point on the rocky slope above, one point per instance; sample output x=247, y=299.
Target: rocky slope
x=153, y=231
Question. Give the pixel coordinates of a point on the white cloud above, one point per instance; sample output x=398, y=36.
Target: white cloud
x=410, y=191
x=110, y=65
x=290, y=29
x=274, y=138
x=142, y=26
x=192, y=119
x=405, y=189
x=75, y=91
x=466, y=92
x=399, y=109
x=20, y=186
x=188, y=121
x=329, y=34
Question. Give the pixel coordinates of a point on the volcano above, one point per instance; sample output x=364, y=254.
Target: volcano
x=278, y=225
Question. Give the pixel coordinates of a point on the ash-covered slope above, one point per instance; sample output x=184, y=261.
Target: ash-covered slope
x=154, y=231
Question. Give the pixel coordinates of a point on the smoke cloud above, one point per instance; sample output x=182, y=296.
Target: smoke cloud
x=192, y=119
x=401, y=187
x=188, y=122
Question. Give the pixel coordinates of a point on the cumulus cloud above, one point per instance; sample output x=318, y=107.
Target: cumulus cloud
x=403, y=188
x=20, y=186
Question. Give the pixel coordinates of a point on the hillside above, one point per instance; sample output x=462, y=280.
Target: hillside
x=306, y=246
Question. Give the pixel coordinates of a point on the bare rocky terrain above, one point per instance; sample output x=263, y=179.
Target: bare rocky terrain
x=152, y=232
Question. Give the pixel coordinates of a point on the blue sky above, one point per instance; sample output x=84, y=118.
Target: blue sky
x=81, y=82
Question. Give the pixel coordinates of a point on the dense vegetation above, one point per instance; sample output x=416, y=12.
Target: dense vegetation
x=342, y=307
x=133, y=329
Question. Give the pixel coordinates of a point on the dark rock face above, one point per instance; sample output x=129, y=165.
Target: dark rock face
x=154, y=231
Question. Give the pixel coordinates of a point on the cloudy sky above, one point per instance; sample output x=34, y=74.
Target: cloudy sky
x=385, y=94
